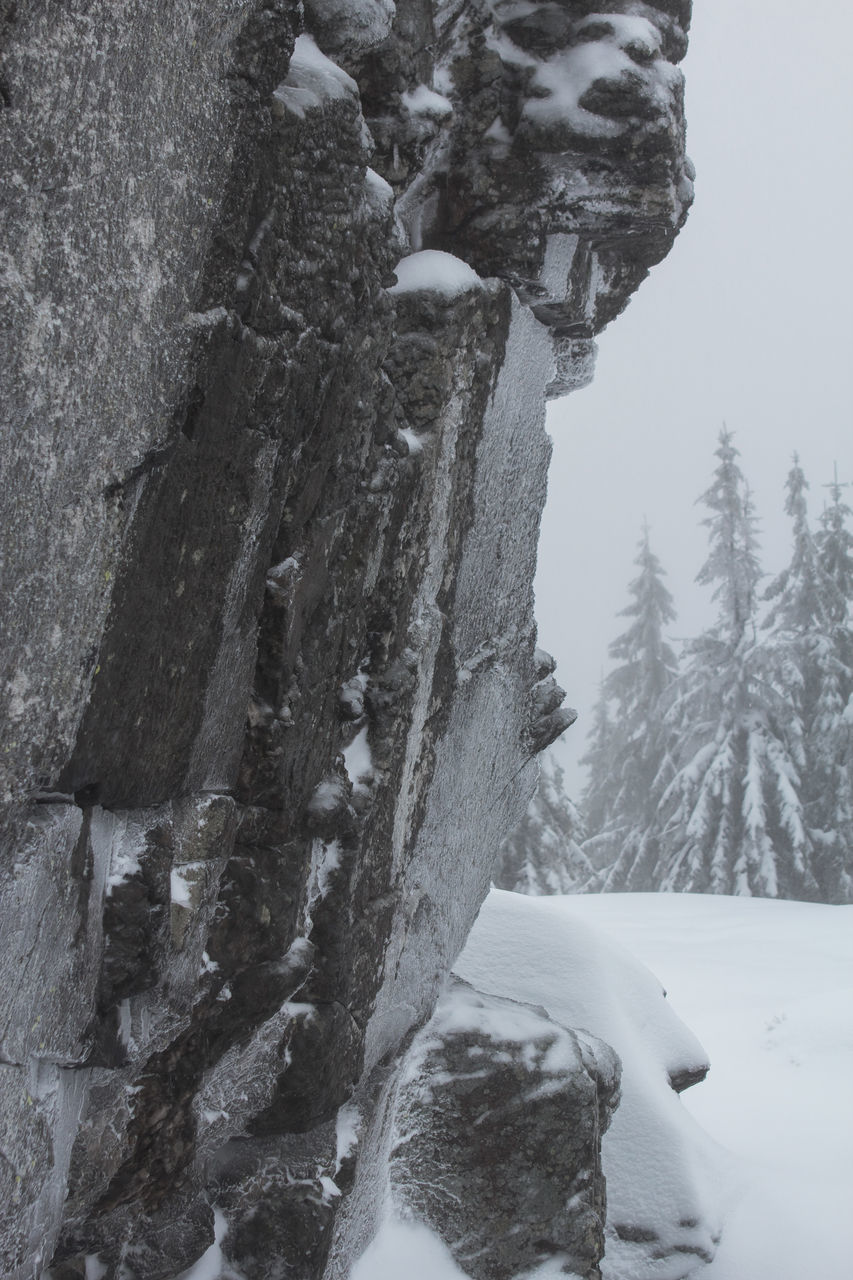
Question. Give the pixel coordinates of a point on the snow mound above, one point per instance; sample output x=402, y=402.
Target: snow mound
x=406, y=1249
x=410, y=1249
x=435, y=271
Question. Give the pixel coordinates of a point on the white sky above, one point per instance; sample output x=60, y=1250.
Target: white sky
x=749, y=320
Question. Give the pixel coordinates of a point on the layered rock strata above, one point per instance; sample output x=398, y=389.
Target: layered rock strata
x=270, y=694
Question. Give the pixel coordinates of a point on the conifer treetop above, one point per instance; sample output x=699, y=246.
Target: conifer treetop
x=805, y=596
x=648, y=661
x=835, y=544
x=732, y=566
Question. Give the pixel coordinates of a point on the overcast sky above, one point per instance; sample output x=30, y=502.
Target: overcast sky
x=749, y=320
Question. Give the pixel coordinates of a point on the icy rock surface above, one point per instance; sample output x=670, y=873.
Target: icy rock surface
x=268, y=537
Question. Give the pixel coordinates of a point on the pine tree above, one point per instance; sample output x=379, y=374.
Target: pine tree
x=829, y=745
x=806, y=597
x=543, y=854
x=805, y=663
x=835, y=545
x=733, y=818
x=639, y=764
x=799, y=622
x=600, y=792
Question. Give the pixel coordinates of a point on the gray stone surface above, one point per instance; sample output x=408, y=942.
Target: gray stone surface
x=259, y=511
x=128, y=138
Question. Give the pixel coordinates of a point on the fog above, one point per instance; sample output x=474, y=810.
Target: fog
x=748, y=322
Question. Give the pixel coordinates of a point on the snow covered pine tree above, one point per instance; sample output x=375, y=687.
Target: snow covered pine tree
x=543, y=854
x=600, y=791
x=811, y=661
x=637, y=765
x=732, y=817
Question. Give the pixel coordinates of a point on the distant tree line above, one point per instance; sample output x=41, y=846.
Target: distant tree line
x=728, y=768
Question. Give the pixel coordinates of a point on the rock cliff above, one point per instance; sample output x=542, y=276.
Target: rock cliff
x=270, y=692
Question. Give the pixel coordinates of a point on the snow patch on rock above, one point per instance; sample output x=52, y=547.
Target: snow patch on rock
x=424, y=101
x=347, y=1127
x=312, y=79
x=434, y=271
x=358, y=761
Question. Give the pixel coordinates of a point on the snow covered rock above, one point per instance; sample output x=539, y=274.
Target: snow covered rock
x=504, y=179
x=663, y=1216
x=498, y=1131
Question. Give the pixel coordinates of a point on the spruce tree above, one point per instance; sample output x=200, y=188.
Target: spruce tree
x=639, y=764
x=599, y=794
x=732, y=817
x=805, y=664
x=835, y=546
x=829, y=741
x=806, y=599
x=543, y=854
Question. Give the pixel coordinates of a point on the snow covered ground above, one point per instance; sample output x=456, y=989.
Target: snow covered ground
x=767, y=986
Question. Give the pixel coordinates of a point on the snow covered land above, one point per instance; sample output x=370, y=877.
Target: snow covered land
x=765, y=1144
x=768, y=988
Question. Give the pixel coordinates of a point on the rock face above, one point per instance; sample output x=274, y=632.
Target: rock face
x=269, y=521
